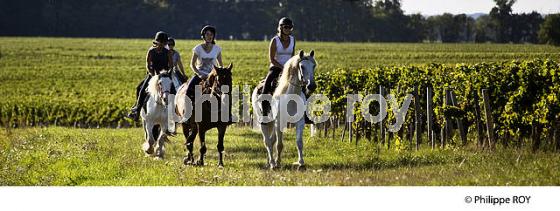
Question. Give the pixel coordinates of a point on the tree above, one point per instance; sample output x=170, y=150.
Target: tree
x=392, y=25
x=550, y=30
x=316, y=20
x=501, y=14
x=416, y=26
x=485, y=29
x=526, y=27
x=451, y=28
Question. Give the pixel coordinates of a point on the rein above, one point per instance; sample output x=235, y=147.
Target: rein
x=161, y=92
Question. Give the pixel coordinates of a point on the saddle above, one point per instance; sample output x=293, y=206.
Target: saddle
x=260, y=89
x=260, y=86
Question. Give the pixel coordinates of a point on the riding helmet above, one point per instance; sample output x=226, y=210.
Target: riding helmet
x=171, y=40
x=285, y=21
x=208, y=28
x=160, y=37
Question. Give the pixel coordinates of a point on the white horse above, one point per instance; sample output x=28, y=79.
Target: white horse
x=298, y=73
x=155, y=113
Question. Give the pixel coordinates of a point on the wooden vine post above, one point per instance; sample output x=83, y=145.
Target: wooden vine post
x=462, y=131
x=489, y=119
x=478, y=122
x=429, y=115
x=417, y=117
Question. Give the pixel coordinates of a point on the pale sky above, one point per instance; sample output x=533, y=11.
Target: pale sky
x=434, y=7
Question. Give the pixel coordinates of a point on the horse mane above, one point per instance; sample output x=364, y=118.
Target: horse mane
x=290, y=69
x=152, y=87
x=209, y=82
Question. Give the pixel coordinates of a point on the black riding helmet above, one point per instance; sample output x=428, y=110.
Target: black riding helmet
x=285, y=21
x=171, y=40
x=208, y=28
x=160, y=37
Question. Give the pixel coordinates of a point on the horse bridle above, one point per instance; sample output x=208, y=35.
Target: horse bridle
x=302, y=82
x=160, y=91
x=216, y=90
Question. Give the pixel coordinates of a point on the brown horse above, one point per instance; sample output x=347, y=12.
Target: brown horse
x=211, y=90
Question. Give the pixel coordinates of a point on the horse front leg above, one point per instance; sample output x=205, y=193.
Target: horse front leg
x=300, y=125
x=202, y=137
x=268, y=139
x=278, y=136
x=160, y=150
x=148, y=145
x=190, y=135
x=221, y=134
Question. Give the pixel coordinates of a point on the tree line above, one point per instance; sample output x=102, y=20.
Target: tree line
x=315, y=20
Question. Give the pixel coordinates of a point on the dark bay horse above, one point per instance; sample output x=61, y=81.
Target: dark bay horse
x=212, y=88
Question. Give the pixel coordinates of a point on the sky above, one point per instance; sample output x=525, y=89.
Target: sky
x=434, y=7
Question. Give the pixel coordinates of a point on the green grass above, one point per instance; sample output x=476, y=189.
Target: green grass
x=64, y=156
x=71, y=67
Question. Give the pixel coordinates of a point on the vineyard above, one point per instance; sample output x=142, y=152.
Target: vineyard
x=517, y=100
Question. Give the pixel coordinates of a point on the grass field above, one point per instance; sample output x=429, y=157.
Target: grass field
x=63, y=156
x=93, y=70
x=68, y=76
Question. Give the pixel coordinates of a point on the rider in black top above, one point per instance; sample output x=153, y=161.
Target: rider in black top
x=158, y=58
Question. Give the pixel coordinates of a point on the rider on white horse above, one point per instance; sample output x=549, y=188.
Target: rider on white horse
x=298, y=73
x=158, y=58
x=282, y=48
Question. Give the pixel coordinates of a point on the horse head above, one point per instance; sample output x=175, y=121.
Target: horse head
x=164, y=84
x=218, y=77
x=306, y=70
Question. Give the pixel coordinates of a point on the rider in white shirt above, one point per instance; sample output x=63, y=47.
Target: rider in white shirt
x=282, y=48
x=205, y=56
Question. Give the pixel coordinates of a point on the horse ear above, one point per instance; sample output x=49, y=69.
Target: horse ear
x=300, y=54
x=312, y=53
x=230, y=66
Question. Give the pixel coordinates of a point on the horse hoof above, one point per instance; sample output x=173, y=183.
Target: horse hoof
x=159, y=155
x=220, y=166
x=199, y=163
x=187, y=161
x=298, y=166
x=148, y=149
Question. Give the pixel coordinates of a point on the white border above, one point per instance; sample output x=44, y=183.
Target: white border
x=270, y=198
